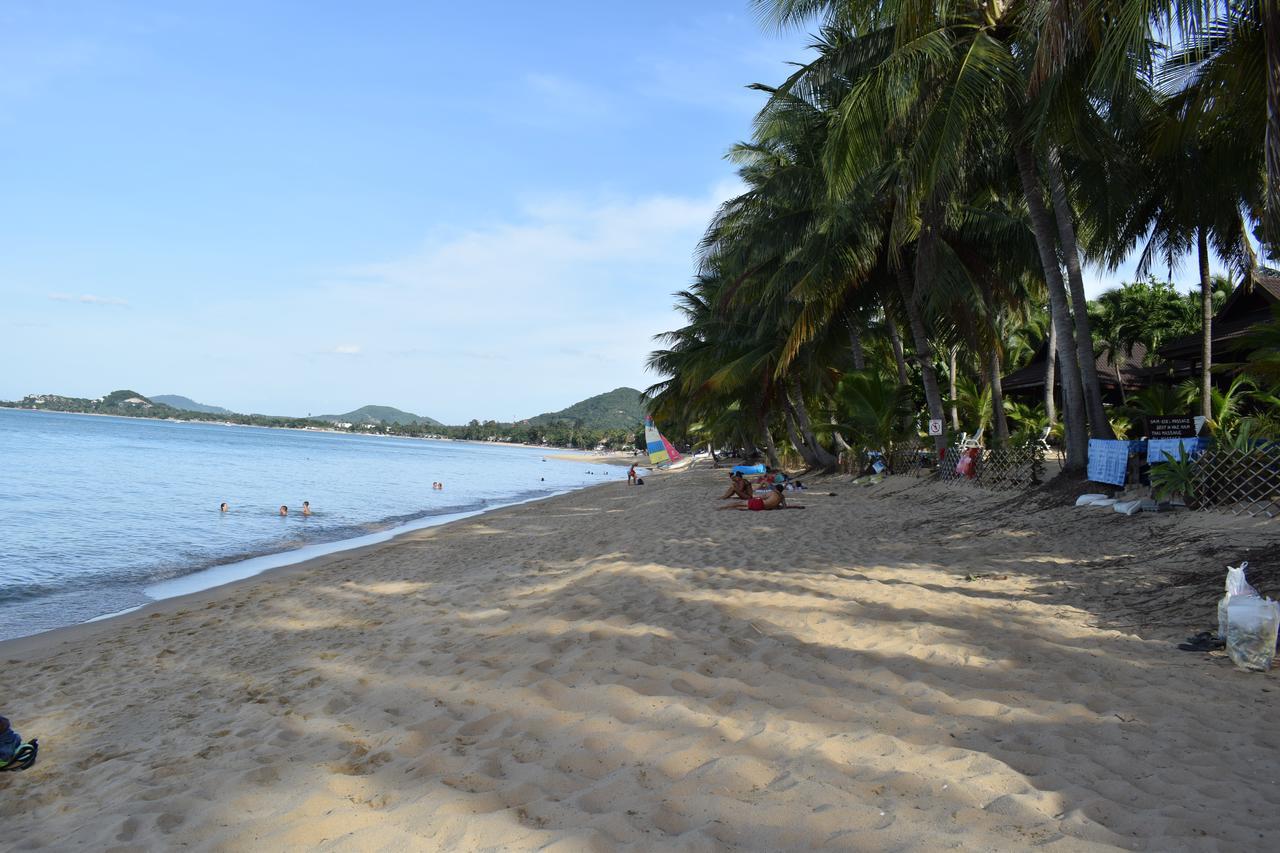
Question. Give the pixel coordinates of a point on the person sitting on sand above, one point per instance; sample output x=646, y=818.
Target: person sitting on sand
x=306, y=507
x=284, y=510
x=739, y=488
x=774, y=500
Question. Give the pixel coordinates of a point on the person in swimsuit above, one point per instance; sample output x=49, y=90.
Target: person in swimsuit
x=306, y=507
x=774, y=500
x=284, y=510
x=224, y=507
x=739, y=487
x=632, y=475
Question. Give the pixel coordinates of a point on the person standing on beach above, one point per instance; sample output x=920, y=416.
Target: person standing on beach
x=284, y=510
x=632, y=475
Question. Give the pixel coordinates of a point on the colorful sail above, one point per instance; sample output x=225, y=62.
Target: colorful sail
x=660, y=450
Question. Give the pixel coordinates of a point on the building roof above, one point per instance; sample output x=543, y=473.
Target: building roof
x=1244, y=309
x=1133, y=373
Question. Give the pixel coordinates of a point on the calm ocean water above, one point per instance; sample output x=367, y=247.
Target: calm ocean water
x=96, y=511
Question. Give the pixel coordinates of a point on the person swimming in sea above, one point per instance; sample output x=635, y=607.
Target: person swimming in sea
x=224, y=507
x=284, y=510
x=306, y=507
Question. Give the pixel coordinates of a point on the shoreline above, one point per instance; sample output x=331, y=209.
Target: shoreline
x=909, y=665
x=276, y=561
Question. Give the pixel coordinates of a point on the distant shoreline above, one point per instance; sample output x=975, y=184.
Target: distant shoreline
x=547, y=447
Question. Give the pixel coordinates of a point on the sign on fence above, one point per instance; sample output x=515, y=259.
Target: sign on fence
x=1166, y=426
x=935, y=426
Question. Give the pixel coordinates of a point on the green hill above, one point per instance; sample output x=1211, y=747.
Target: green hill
x=618, y=409
x=186, y=404
x=379, y=414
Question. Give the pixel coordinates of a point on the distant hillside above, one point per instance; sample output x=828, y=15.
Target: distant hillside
x=186, y=404
x=618, y=409
x=379, y=414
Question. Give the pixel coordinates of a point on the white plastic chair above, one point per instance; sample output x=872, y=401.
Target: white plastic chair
x=970, y=442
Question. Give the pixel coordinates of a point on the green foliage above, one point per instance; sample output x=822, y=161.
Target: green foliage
x=887, y=191
x=1174, y=477
x=1158, y=400
x=377, y=415
x=189, y=405
x=1146, y=312
x=873, y=411
x=974, y=405
x=618, y=409
x=1027, y=417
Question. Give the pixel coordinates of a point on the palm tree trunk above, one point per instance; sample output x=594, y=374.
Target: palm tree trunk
x=820, y=454
x=855, y=345
x=924, y=353
x=1100, y=425
x=1206, y=334
x=951, y=379
x=1077, y=443
x=997, y=398
x=770, y=448
x=789, y=419
x=1270, y=11
x=842, y=446
x=1050, y=374
x=898, y=358
x=997, y=389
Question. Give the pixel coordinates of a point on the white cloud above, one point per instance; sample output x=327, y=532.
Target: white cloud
x=347, y=349
x=87, y=299
x=559, y=302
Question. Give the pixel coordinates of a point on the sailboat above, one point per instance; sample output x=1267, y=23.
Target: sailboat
x=660, y=450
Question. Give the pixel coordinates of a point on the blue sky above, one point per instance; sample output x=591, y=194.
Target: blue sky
x=463, y=211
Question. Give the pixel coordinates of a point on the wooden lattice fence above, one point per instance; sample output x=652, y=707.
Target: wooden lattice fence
x=998, y=468
x=912, y=458
x=1242, y=482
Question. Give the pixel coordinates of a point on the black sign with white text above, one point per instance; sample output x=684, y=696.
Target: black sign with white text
x=1168, y=426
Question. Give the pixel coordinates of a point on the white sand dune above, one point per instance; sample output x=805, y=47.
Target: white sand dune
x=626, y=668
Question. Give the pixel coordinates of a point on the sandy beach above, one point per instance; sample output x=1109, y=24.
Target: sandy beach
x=900, y=667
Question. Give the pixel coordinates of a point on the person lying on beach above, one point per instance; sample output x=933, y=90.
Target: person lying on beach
x=738, y=488
x=774, y=500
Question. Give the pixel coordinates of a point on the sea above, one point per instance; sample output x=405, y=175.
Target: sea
x=101, y=515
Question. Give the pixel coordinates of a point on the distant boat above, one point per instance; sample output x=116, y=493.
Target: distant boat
x=660, y=450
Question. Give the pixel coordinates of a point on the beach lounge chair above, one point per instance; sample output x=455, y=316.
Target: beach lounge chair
x=969, y=442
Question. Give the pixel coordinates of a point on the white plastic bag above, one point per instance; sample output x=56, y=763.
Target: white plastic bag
x=1236, y=585
x=1252, y=623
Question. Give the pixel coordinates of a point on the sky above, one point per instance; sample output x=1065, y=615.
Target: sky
x=464, y=211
